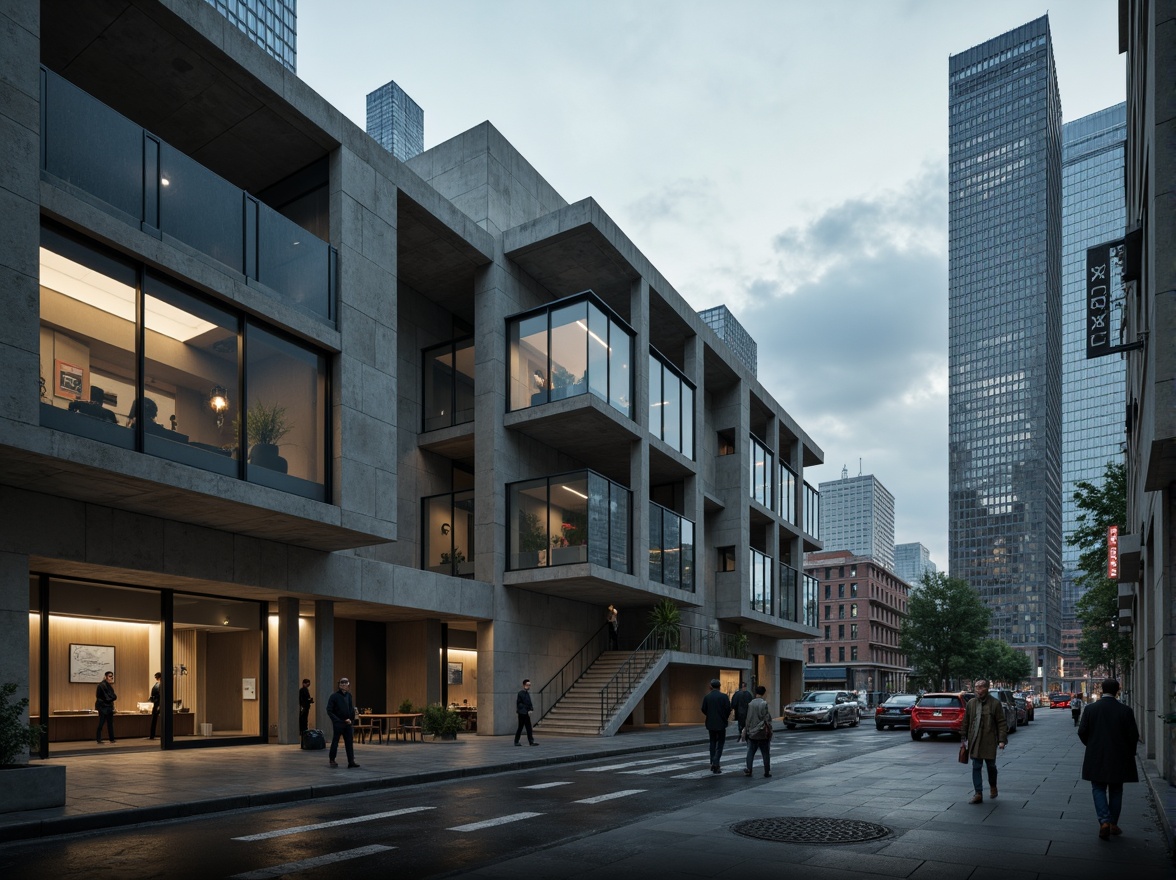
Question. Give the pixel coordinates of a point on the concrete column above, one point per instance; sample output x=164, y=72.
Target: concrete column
x=693, y=503
x=664, y=710
x=433, y=660
x=324, y=662
x=288, y=679
x=639, y=450
x=14, y=627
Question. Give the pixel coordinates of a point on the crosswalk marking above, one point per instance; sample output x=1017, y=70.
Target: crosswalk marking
x=626, y=764
x=544, y=785
x=308, y=864
x=661, y=768
x=600, y=798
x=301, y=828
x=490, y=823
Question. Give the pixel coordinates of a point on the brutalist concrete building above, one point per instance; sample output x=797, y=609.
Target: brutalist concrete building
x=278, y=405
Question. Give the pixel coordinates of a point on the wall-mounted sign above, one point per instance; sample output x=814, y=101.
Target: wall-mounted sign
x=1113, y=553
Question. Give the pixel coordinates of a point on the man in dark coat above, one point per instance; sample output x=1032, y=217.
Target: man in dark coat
x=341, y=711
x=155, y=698
x=985, y=730
x=740, y=700
x=104, y=702
x=304, y=701
x=1110, y=734
x=716, y=706
x=523, y=708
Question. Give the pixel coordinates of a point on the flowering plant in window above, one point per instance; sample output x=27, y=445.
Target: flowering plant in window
x=571, y=533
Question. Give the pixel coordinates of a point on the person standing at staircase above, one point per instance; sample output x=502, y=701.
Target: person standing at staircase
x=614, y=628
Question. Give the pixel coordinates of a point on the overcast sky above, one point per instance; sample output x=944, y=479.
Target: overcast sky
x=788, y=159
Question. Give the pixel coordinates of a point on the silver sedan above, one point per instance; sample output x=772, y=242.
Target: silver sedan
x=832, y=708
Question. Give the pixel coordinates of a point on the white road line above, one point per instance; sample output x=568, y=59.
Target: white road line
x=308, y=864
x=626, y=764
x=649, y=771
x=600, y=798
x=301, y=828
x=544, y=785
x=490, y=823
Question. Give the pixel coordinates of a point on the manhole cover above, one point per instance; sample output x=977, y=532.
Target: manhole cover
x=810, y=829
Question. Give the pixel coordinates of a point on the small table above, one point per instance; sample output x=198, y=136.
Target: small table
x=384, y=717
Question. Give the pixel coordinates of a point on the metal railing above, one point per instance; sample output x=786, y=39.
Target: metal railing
x=570, y=673
x=689, y=639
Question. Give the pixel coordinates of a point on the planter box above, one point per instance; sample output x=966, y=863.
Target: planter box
x=31, y=787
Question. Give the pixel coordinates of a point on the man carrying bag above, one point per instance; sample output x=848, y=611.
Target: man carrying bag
x=758, y=731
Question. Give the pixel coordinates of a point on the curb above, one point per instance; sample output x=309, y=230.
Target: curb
x=1164, y=798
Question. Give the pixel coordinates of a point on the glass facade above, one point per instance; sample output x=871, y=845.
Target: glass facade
x=720, y=319
x=572, y=347
x=671, y=548
x=185, y=402
x=857, y=514
x=576, y=517
x=1004, y=318
x=761, y=582
x=786, y=492
x=447, y=533
x=448, y=376
x=671, y=406
x=812, y=511
x=396, y=121
x=762, y=465
x=271, y=24
x=1094, y=390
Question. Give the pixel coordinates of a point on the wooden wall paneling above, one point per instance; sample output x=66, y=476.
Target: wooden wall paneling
x=407, y=662
x=34, y=664
x=222, y=669
x=132, y=672
x=184, y=655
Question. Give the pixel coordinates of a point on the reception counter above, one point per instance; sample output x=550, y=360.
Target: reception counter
x=75, y=726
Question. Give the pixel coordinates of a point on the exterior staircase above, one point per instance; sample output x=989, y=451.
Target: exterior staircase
x=578, y=712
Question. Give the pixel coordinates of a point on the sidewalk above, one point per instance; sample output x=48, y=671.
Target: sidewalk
x=1042, y=824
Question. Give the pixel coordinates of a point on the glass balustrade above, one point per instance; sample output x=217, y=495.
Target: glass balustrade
x=571, y=518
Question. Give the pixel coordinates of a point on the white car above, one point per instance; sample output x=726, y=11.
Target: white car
x=832, y=708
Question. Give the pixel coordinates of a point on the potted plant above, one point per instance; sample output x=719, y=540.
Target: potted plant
x=453, y=560
x=665, y=620
x=24, y=786
x=265, y=426
x=532, y=540
x=405, y=706
x=441, y=723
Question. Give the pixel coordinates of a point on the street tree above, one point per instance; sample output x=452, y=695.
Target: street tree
x=945, y=625
x=1102, y=645
x=997, y=661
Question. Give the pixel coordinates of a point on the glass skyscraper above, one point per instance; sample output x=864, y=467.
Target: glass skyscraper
x=1093, y=391
x=1005, y=335
x=857, y=514
x=912, y=561
x=272, y=24
x=396, y=121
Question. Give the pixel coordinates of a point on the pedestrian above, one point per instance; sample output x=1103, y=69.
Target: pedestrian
x=524, y=707
x=341, y=711
x=104, y=702
x=740, y=700
x=758, y=731
x=614, y=628
x=1076, y=708
x=1110, y=734
x=985, y=730
x=716, y=706
x=154, y=698
x=304, y=701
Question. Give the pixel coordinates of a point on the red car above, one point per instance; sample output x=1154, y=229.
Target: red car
x=1059, y=701
x=939, y=713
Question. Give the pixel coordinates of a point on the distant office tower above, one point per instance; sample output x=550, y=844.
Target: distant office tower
x=857, y=514
x=912, y=561
x=1005, y=335
x=720, y=319
x=1093, y=390
x=272, y=24
x=396, y=121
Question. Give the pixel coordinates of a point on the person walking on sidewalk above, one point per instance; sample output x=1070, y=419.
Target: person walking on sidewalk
x=716, y=706
x=985, y=730
x=341, y=711
x=104, y=702
x=1110, y=734
x=758, y=728
x=1076, y=708
x=740, y=700
x=523, y=708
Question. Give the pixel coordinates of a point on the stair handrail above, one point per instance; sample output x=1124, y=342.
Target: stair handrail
x=572, y=671
x=691, y=639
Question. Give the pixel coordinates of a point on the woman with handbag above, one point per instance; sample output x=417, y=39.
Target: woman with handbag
x=758, y=731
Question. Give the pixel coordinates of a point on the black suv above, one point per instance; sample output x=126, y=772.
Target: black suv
x=1010, y=707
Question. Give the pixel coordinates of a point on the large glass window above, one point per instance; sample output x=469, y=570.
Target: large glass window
x=448, y=372
x=576, y=517
x=787, y=494
x=570, y=348
x=447, y=540
x=789, y=593
x=809, y=599
x=186, y=403
x=671, y=548
x=761, y=472
x=761, y=582
x=671, y=406
x=812, y=512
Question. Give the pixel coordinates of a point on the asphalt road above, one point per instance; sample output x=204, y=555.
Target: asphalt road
x=430, y=830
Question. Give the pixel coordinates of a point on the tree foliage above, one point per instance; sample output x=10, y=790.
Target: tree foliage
x=945, y=625
x=998, y=662
x=1098, y=608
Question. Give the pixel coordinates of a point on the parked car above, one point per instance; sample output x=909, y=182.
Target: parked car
x=1060, y=701
x=1024, y=708
x=938, y=713
x=833, y=708
x=1012, y=716
x=895, y=712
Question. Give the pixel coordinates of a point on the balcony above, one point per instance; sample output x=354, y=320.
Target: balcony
x=572, y=518
x=785, y=608
x=133, y=175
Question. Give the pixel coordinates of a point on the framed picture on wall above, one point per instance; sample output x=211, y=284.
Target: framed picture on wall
x=90, y=663
x=69, y=379
x=455, y=673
